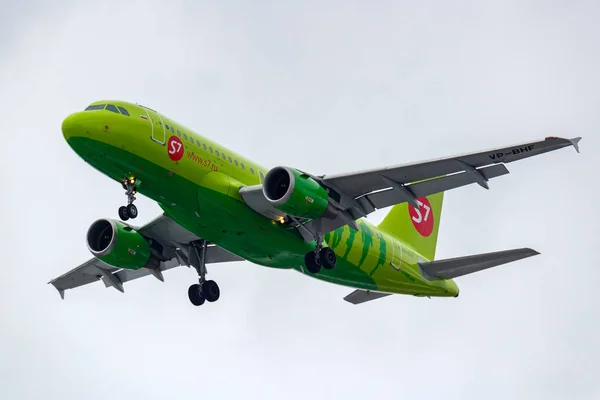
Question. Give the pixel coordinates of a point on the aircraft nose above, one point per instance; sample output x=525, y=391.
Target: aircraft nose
x=72, y=126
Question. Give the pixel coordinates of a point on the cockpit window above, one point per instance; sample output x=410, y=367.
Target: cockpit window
x=123, y=111
x=112, y=108
x=95, y=107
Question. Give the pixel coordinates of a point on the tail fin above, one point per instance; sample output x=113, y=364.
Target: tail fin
x=417, y=228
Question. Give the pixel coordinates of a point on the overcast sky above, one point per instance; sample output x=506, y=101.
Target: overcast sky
x=350, y=85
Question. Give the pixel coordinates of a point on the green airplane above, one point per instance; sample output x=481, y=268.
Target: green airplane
x=219, y=206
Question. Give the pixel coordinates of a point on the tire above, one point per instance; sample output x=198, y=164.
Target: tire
x=195, y=296
x=211, y=291
x=312, y=264
x=328, y=257
x=132, y=211
x=123, y=213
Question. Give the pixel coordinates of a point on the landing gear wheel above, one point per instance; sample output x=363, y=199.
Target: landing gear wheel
x=313, y=264
x=123, y=213
x=328, y=258
x=132, y=211
x=194, y=294
x=211, y=291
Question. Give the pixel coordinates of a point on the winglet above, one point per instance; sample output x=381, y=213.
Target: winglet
x=575, y=143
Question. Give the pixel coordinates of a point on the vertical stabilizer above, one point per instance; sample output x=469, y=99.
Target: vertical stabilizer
x=416, y=227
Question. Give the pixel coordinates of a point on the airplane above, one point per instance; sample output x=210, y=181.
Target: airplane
x=218, y=206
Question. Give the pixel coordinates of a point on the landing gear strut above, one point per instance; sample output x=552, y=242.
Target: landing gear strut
x=204, y=290
x=130, y=210
x=322, y=257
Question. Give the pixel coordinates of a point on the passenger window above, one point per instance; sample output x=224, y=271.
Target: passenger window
x=167, y=126
x=262, y=177
x=236, y=163
x=204, y=145
x=178, y=133
x=192, y=140
x=224, y=158
x=185, y=136
x=217, y=153
x=123, y=111
x=252, y=171
x=172, y=130
x=197, y=143
x=230, y=160
x=243, y=167
x=112, y=108
x=210, y=149
x=96, y=107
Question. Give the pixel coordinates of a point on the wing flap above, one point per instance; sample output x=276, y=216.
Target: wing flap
x=455, y=267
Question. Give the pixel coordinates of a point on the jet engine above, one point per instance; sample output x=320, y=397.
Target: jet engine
x=297, y=194
x=118, y=245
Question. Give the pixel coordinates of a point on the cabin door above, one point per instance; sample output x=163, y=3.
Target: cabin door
x=158, y=127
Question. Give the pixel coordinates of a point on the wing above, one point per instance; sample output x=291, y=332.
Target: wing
x=363, y=182
x=175, y=243
x=356, y=195
x=455, y=267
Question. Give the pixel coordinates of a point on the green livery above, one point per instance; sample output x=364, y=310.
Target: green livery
x=200, y=185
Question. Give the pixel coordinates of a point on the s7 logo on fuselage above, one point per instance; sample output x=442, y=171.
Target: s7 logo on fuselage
x=175, y=148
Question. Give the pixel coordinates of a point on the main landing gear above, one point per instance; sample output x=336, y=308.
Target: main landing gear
x=130, y=210
x=203, y=290
x=322, y=257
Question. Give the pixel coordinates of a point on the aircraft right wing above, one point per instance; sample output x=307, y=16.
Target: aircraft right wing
x=177, y=249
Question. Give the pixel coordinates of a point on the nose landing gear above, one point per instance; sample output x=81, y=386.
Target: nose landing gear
x=130, y=210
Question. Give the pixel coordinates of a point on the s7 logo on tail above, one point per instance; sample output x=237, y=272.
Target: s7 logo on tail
x=422, y=217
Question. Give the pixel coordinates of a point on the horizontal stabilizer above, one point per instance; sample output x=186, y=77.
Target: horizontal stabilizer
x=455, y=267
x=361, y=296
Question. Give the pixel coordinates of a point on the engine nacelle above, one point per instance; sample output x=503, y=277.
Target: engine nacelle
x=118, y=245
x=297, y=194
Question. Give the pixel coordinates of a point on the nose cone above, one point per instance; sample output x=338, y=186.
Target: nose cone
x=73, y=126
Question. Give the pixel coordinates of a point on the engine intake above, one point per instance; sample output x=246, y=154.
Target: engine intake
x=117, y=244
x=297, y=194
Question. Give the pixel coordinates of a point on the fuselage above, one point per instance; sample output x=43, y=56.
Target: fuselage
x=196, y=182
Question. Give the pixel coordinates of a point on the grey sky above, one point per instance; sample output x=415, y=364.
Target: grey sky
x=349, y=85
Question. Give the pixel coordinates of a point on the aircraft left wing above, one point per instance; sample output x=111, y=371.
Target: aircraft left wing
x=363, y=182
x=362, y=296
x=356, y=195
x=175, y=244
